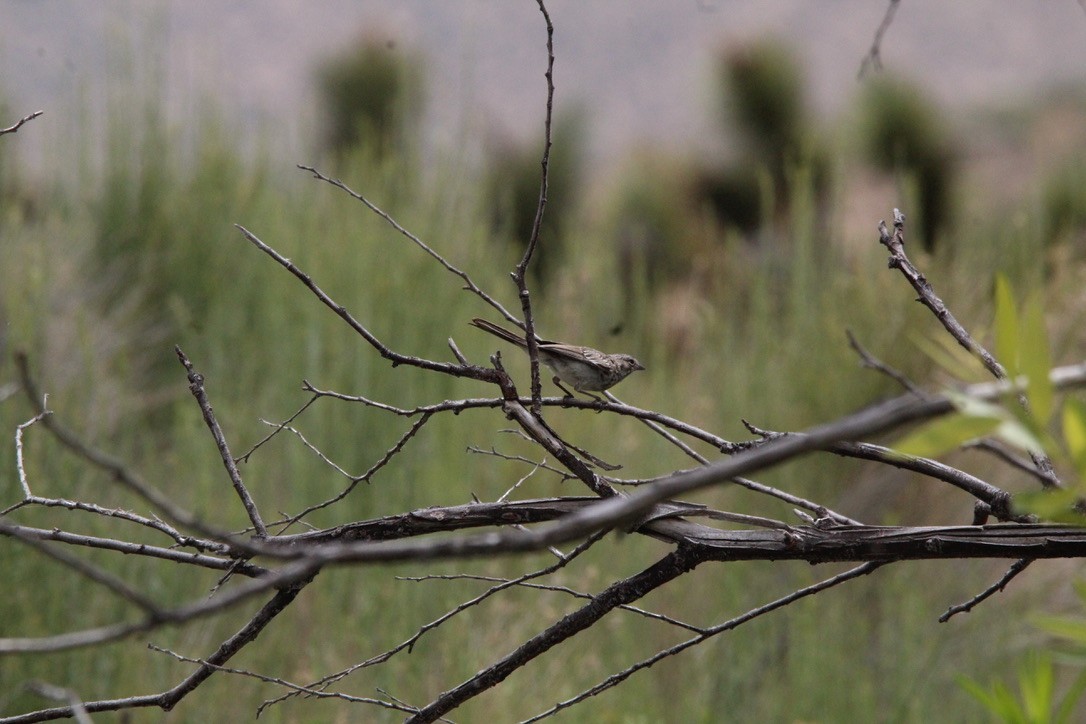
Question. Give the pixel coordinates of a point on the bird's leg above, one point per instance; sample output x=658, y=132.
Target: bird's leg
x=558, y=383
x=570, y=395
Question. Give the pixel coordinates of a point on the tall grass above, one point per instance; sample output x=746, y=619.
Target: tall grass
x=102, y=284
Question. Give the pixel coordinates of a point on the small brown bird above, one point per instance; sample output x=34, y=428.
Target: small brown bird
x=586, y=369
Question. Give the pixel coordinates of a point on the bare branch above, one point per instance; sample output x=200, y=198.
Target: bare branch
x=471, y=371
x=998, y=499
x=196, y=387
x=364, y=477
x=895, y=243
x=137, y=549
x=872, y=362
x=167, y=700
x=873, y=59
x=469, y=285
x=19, y=124
x=295, y=688
x=1046, y=478
x=621, y=676
x=87, y=570
x=967, y=606
x=278, y=428
x=117, y=469
x=409, y=644
x=630, y=589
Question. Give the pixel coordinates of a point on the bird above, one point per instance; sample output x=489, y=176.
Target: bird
x=587, y=370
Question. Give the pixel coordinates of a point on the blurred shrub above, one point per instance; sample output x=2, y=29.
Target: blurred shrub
x=763, y=104
x=733, y=195
x=1064, y=203
x=762, y=96
x=513, y=183
x=903, y=134
x=163, y=246
x=650, y=220
x=371, y=95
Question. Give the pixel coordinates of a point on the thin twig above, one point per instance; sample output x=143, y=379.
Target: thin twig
x=279, y=428
x=504, y=496
x=91, y=572
x=364, y=477
x=521, y=269
x=295, y=688
x=966, y=606
x=870, y=361
x=543, y=465
x=130, y=548
x=196, y=387
x=666, y=569
x=819, y=510
x=1047, y=479
x=20, y=464
x=553, y=588
x=873, y=59
x=117, y=469
x=895, y=244
x=19, y=124
x=621, y=676
x=456, y=370
x=409, y=643
x=469, y=285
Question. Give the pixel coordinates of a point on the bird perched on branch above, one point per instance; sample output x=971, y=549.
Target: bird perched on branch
x=586, y=369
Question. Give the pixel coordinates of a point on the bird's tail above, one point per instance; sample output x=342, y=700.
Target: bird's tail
x=500, y=332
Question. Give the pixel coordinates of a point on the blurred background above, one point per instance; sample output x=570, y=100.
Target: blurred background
x=718, y=172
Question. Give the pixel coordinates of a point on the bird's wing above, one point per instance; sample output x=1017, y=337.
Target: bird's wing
x=586, y=355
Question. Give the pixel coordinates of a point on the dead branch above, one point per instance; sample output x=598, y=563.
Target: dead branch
x=873, y=59
x=19, y=124
x=196, y=387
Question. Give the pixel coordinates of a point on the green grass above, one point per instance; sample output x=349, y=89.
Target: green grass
x=142, y=255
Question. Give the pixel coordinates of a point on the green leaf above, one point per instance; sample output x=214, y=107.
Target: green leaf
x=951, y=357
x=1053, y=505
x=1071, y=699
x=1021, y=434
x=946, y=434
x=1080, y=591
x=998, y=700
x=1036, y=361
x=1015, y=427
x=1069, y=628
x=1006, y=326
x=1074, y=434
x=1036, y=682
